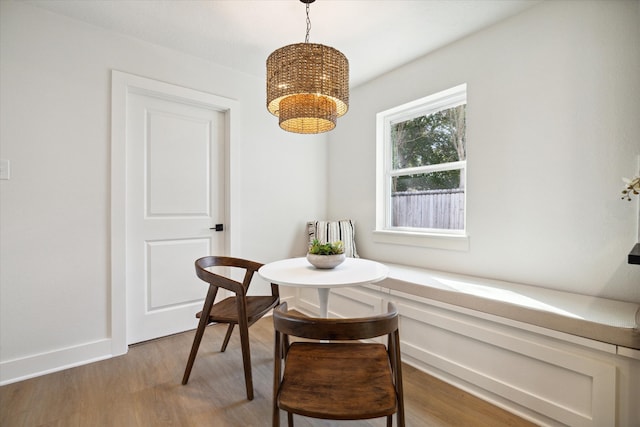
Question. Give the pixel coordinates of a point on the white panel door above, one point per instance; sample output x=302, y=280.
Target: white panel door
x=175, y=186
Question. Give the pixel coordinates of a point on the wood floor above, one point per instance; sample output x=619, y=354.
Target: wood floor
x=142, y=388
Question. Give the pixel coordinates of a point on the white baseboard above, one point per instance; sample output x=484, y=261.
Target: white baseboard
x=57, y=360
x=32, y=366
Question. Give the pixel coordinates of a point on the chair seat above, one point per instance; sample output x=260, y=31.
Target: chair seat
x=226, y=311
x=337, y=381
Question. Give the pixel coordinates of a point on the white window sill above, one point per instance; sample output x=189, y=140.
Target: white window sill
x=452, y=242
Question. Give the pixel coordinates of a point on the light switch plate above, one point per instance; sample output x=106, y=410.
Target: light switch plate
x=5, y=169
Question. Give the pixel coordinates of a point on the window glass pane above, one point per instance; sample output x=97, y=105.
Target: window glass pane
x=441, y=180
x=431, y=139
x=434, y=200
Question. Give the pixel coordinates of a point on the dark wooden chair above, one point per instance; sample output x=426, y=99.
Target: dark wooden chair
x=337, y=380
x=241, y=310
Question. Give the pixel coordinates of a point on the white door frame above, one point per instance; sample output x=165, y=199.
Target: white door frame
x=121, y=85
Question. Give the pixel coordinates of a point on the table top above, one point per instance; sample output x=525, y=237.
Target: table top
x=299, y=272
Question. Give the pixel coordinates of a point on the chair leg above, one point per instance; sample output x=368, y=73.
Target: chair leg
x=246, y=351
x=202, y=324
x=389, y=421
x=192, y=355
x=227, y=337
x=277, y=366
x=290, y=419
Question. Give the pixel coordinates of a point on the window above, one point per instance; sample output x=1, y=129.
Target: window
x=421, y=169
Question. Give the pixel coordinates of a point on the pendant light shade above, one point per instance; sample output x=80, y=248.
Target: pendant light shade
x=307, y=86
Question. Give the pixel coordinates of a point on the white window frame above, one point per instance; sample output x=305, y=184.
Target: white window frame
x=384, y=232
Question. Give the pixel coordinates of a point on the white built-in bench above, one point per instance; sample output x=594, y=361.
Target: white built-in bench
x=606, y=320
x=553, y=357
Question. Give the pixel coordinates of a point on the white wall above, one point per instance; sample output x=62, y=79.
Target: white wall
x=55, y=103
x=553, y=125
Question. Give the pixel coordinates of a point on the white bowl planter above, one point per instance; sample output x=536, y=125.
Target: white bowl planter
x=325, y=261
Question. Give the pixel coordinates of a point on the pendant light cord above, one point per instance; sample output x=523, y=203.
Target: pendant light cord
x=306, y=39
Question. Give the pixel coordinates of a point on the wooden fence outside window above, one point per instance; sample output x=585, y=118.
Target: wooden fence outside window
x=440, y=209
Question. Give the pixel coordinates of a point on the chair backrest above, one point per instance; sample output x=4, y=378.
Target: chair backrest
x=289, y=323
x=214, y=279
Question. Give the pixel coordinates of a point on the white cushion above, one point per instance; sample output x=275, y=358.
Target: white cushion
x=331, y=231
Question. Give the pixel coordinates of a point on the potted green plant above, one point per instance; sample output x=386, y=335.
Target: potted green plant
x=326, y=255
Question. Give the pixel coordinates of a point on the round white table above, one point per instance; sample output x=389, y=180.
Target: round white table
x=298, y=272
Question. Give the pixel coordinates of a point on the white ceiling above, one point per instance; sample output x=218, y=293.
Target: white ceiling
x=375, y=35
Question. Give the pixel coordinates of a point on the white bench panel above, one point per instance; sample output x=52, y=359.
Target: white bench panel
x=529, y=373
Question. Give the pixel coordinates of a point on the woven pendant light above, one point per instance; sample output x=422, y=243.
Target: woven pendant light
x=307, y=85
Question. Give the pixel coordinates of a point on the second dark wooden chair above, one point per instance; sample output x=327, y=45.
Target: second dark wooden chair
x=241, y=310
x=343, y=380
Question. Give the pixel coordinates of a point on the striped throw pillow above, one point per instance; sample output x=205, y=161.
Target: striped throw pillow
x=331, y=231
